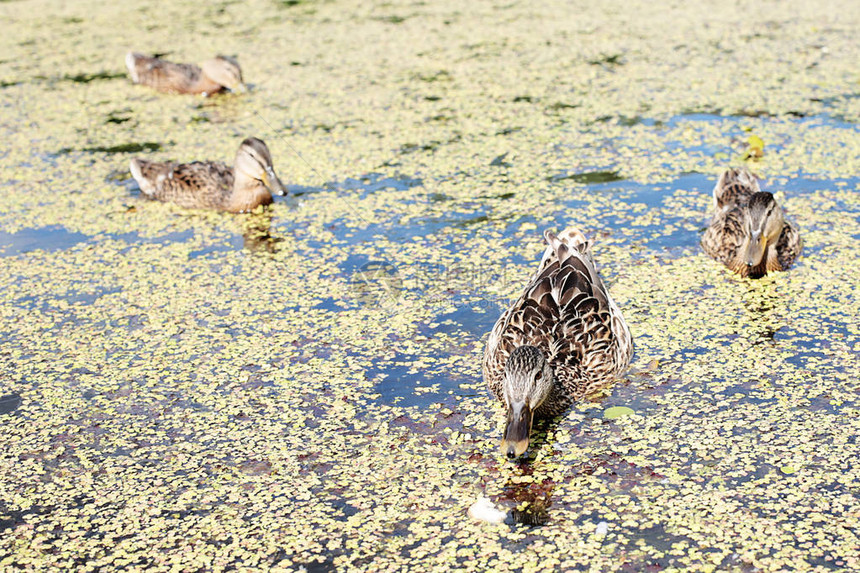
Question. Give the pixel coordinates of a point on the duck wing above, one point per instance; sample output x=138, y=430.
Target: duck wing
x=201, y=184
x=787, y=250
x=592, y=342
x=164, y=76
x=724, y=236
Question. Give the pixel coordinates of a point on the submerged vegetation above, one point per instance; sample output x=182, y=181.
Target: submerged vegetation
x=301, y=387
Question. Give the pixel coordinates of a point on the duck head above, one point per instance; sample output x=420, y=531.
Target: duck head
x=528, y=382
x=763, y=222
x=226, y=71
x=254, y=161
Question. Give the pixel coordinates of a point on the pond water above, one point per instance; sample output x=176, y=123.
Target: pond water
x=300, y=387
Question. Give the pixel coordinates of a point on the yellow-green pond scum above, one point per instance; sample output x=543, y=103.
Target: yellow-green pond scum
x=300, y=388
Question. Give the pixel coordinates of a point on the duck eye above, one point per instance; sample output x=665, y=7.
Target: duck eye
x=539, y=375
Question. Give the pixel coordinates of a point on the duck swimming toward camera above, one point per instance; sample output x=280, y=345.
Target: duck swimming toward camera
x=211, y=185
x=215, y=75
x=562, y=339
x=749, y=233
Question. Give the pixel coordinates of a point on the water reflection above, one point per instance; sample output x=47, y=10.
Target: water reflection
x=761, y=303
x=530, y=499
x=257, y=235
x=532, y=502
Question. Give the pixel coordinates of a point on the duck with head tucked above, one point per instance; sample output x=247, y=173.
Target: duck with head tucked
x=749, y=233
x=562, y=339
x=215, y=75
x=212, y=185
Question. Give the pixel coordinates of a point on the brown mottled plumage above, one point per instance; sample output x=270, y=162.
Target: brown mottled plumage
x=210, y=185
x=215, y=75
x=748, y=232
x=562, y=339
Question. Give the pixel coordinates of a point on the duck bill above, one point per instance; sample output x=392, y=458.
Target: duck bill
x=272, y=183
x=240, y=89
x=754, y=251
x=517, y=430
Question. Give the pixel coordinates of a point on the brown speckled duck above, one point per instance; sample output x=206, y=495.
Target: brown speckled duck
x=562, y=339
x=213, y=76
x=748, y=232
x=211, y=185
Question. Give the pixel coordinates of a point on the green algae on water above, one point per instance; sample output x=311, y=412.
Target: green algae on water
x=195, y=390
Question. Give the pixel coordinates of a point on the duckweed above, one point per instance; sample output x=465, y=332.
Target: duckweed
x=184, y=390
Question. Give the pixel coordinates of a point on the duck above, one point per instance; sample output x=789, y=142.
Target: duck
x=214, y=75
x=748, y=232
x=563, y=339
x=213, y=185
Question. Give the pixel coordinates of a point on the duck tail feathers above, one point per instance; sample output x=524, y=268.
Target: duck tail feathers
x=558, y=246
x=137, y=166
x=735, y=184
x=132, y=61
